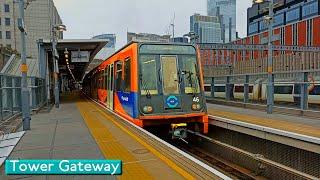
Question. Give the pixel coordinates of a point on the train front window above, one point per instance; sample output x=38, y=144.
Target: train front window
x=190, y=75
x=148, y=75
x=170, y=75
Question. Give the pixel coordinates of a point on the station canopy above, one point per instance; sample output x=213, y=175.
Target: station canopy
x=80, y=53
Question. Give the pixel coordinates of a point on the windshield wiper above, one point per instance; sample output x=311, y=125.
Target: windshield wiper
x=189, y=77
x=145, y=87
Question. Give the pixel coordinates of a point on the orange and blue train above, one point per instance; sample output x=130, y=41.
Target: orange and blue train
x=152, y=84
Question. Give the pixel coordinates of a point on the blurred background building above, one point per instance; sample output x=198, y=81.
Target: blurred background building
x=226, y=11
x=207, y=28
x=146, y=37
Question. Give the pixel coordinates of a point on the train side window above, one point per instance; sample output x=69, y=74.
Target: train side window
x=315, y=91
x=220, y=89
x=111, y=77
x=207, y=88
x=118, y=77
x=239, y=89
x=283, y=89
x=106, y=77
x=250, y=89
x=127, y=75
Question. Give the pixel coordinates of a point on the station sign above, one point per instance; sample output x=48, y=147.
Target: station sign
x=80, y=56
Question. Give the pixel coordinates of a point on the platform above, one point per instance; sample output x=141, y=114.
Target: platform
x=293, y=128
x=80, y=129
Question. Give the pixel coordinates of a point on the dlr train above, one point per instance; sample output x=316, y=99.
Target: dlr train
x=152, y=84
x=287, y=92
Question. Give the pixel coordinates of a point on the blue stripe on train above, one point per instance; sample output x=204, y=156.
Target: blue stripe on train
x=129, y=102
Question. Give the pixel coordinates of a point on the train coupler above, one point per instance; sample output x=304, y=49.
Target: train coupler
x=179, y=131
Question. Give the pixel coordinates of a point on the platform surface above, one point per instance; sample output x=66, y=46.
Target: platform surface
x=79, y=130
x=295, y=124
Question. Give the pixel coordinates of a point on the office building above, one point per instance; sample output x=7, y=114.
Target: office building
x=146, y=37
x=207, y=28
x=289, y=12
x=38, y=22
x=226, y=11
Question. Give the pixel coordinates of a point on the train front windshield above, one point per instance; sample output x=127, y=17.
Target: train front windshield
x=173, y=69
x=169, y=77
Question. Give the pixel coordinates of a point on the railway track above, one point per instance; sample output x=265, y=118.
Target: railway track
x=233, y=169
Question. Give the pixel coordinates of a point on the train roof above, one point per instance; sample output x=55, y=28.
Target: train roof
x=142, y=43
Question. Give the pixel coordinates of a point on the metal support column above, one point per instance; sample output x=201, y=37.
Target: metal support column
x=56, y=70
x=212, y=87
x=24, y=70
x=246, y=90
x=228, y=89
x=270, y=88
x=304, y=92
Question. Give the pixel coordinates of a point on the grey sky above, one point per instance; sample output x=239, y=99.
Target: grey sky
x=86, y=18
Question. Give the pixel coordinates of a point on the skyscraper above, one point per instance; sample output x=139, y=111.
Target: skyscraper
x=226, y=11
x=207, y=28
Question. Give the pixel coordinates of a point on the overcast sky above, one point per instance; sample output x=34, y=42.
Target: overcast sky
x=87, y=18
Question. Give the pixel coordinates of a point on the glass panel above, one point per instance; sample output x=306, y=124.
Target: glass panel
x=170, y=75
x=111, y=76
x=191, y=79
x=118, y=76
x=127, y=77
x=148, y=76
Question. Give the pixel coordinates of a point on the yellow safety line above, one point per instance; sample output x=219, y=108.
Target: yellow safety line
x=112, y=148
x=171, y=164
x=272, y=123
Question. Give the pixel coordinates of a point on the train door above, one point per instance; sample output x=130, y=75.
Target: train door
x=170, y=83
x=111, y=87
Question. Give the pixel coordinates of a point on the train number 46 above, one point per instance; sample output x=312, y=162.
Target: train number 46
x=196, y=99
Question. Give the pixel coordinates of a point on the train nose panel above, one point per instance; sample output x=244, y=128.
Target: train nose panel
x=172, y=102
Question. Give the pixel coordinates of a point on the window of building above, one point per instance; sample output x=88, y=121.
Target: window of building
x=263, y=25
x=118, y=75
x=7, y=21
x=8, y=35
x=0, y=21
x=310, y=9
x=253, y=27
x=278, y=19
x=6, y=8
x=8, y=46
x=0, y=34
x=293, y=15
x=127, y=75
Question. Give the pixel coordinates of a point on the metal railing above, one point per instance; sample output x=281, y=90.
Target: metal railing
x=299, y=90
x=10, y=94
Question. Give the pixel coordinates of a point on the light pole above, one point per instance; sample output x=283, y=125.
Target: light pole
x=55, y=57
x=25, y=94
x=270, y=87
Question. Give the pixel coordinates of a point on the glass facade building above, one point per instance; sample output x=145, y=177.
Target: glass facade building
x=226, y=11
x=207, y=28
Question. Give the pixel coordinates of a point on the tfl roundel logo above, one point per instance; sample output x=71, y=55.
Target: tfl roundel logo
x=172, y=101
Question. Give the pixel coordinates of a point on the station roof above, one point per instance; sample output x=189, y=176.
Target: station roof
x=93, y=46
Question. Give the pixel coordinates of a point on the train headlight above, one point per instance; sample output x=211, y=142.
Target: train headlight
x=147, y=109
x=196, y=107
